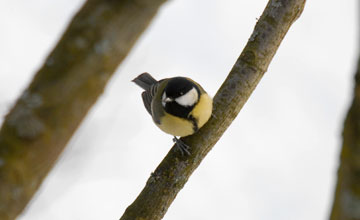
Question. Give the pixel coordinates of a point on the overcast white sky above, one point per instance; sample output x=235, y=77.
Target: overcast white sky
x=277, y=161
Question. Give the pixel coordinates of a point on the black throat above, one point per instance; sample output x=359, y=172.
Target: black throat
x=175, y=109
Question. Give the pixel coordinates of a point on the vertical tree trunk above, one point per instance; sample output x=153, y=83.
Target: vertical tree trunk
x=346, y=204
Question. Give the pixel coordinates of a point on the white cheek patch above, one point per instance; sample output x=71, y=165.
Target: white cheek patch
x=163, y=102
x=188, y=99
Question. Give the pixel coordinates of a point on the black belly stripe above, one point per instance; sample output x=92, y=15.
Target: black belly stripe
x=194, y=123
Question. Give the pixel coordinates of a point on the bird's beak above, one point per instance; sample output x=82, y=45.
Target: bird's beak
x=167, y=99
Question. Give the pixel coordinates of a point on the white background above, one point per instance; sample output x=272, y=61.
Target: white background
x=278, y=159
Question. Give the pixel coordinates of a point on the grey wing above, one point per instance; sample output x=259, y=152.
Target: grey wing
x=148, y=95
x=147, y=98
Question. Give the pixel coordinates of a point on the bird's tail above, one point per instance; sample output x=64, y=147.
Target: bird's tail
x=145, y=81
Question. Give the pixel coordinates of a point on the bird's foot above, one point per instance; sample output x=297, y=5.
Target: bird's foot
x=184, y=148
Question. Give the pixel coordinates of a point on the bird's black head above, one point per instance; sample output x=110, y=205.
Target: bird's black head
x=177, y=87
x=180, y=96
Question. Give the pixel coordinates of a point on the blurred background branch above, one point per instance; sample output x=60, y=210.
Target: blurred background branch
x=346, y=205
x=173, y=172
x=74, y=75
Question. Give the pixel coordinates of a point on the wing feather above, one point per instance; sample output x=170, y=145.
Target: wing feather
x=148, y=96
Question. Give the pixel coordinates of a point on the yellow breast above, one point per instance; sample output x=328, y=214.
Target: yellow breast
x=175, y=126
x=182, y=127
x=202, y=111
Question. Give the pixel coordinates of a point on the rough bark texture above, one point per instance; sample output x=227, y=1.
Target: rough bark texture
x=173, y=172
x=347, y=196
x=36, y=130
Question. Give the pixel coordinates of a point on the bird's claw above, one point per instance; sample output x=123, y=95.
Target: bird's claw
x=184, y=148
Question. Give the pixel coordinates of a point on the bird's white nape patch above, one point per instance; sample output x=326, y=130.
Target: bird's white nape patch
x=188, y=99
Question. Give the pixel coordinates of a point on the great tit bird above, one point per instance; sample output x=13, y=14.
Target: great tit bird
x=179, y=106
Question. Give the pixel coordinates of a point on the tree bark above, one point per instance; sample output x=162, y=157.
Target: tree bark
x=174, y=171
x=346, y=204
x=74, y=75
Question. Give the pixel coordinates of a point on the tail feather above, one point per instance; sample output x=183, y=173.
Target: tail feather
x=145, y=81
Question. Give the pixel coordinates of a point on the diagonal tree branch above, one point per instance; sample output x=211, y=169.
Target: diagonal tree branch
x=36, y=130
x=173, y=172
